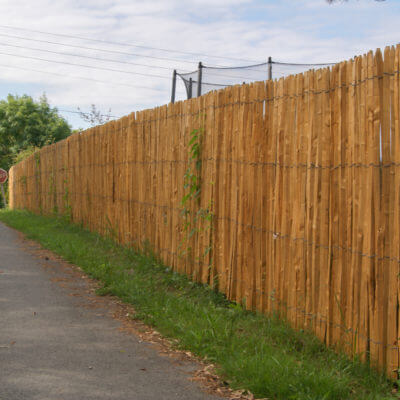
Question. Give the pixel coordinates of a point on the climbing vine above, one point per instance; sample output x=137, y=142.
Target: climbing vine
x=196, y=218
x=38, y=180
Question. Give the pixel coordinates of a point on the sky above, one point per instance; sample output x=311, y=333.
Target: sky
x=120, y=55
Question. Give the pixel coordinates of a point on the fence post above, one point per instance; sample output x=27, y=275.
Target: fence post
x=199, y=79
x=269, y=68
x=173, y=86
x=190, y=88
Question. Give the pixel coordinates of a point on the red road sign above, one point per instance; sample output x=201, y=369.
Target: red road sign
x=3, y=176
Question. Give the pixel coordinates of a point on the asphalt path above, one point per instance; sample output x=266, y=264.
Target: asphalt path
x=55, y=346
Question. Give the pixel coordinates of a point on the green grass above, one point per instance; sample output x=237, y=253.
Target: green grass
x=252, y=351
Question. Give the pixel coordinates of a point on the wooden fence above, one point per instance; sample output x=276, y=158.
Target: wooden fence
x=285, y=195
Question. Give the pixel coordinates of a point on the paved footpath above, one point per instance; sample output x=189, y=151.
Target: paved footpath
x=53, y=348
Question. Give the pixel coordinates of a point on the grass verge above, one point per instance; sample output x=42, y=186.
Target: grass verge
x=259, y=353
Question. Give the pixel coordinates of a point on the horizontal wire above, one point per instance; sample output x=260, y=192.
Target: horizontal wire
x=93, y=48
x=150, y=66
x=86, y=66
x=240, y=67
x=309, y=166
x=261, y=101
x=84, y=56
x=203, y=82
x=302, y=65
x=128, y=44
x=82, y=78
x=275, y=234
x=247, y=67
x=325, y=319
x=254, y=68
x=317, y=317
x=270, y=99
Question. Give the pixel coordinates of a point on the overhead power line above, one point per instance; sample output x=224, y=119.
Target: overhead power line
x=128, y=44
x=91, y=66
x=83, y=56
x=98, y=49
x=111, y=83
x=86, y=66
x=107, y=60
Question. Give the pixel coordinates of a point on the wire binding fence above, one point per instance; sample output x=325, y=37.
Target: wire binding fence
x=298, y=195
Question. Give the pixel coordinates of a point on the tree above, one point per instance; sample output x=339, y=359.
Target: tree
x=94, y=116
x=27, y=124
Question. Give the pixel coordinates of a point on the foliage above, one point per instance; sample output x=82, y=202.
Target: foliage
x=25, y=154
x=195, y=218
x=94, y=116
x=25, y=125
x=192, y=180
x=252, y=351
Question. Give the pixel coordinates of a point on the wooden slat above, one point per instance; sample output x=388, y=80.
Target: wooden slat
x=394, y=229
x=207, y=188
x=259, y=235
x=346, y=204
x=299, y=209
x=320, y=237
x=271, y=146
x=335, y=209
x=311, y=309
x=382, y=131
x=232, y=198
x=302, y=175
x=289, y=196
x=277, y=264
x=243, y=228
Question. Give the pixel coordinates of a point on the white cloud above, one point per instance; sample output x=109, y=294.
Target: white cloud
x=288, y=30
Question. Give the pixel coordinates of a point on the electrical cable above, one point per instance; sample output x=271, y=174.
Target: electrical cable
x=81, y=78
x=92, y=67
x=302, y=65
x=250, y=67
x=122, y=62
x=127, y=44
x=96, y=49
x=86, y=66
x=84, y=56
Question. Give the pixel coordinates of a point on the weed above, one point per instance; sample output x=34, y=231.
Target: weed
x=196, y=218
x=252, y=351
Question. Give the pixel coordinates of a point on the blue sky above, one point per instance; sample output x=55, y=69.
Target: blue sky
x=304, y=31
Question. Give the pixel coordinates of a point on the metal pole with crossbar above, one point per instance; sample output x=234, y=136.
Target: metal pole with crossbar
x=269, y=68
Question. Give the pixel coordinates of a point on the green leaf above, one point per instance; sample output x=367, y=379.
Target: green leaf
x=193, y=140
